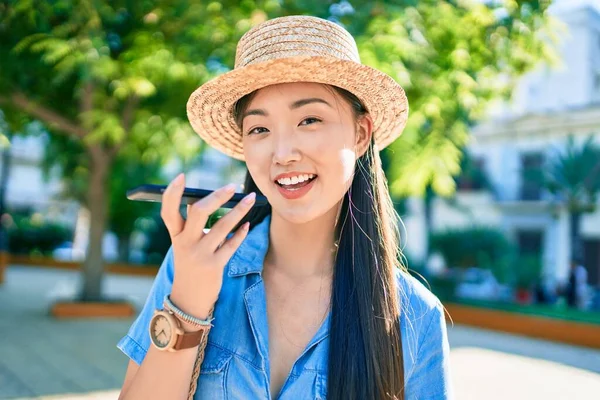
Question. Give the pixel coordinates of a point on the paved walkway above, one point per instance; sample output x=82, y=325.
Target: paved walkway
x=42, y=358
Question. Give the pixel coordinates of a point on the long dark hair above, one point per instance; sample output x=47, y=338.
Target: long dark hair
x=365, y=353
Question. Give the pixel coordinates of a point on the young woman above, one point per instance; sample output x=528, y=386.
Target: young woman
x=308, y=298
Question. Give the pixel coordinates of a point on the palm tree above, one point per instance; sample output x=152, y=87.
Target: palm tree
x=573, y=178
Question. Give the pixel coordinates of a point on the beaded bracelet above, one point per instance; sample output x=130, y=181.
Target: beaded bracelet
x=186, y=317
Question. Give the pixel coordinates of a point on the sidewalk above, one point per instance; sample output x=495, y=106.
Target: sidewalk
x=42, y=358
x=497, y=366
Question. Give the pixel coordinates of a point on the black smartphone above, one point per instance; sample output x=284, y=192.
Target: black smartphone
x=149, y=192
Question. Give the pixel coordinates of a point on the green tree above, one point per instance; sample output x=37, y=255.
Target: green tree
x=107, y=80
x=127, y=171
x=573, y=178
x=452, y=58
x=114, y=75
x=123, y=213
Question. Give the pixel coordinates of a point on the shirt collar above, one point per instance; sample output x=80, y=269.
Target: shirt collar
x=250, y=256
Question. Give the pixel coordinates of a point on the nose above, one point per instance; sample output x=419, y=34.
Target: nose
x=285, y=150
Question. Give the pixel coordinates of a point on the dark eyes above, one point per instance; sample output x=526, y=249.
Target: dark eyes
x=255, y=130
x=311, y=119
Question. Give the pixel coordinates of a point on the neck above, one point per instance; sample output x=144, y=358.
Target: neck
x=302, y=251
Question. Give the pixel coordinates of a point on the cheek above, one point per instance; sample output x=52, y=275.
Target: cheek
x=334, y=161
x=338, y=151
x=258, y=165
x=338, y=172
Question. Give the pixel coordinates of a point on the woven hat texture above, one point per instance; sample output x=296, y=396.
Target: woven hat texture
x=295, y=49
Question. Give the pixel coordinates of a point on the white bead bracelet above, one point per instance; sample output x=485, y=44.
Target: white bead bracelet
x=186, y=317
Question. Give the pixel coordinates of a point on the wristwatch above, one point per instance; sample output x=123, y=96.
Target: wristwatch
x=166, y=333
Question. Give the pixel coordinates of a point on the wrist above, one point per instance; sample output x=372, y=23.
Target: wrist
x=199, y=309
x=186, y=326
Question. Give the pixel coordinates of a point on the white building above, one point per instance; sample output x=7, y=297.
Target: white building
x=549, y=105
x=26, y=186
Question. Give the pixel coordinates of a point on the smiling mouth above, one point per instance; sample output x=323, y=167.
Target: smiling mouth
x=296, y=185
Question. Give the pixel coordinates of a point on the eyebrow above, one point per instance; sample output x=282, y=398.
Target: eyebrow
x=293, y=106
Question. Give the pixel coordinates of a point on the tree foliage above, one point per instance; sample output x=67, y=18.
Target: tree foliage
x=573, y=175
x=452, y=57
x=115, y=76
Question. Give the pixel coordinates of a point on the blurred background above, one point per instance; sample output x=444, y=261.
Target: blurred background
x=496, y=177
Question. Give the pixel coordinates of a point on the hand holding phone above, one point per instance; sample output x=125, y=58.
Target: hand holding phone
x=200, y=257
x=154, y=193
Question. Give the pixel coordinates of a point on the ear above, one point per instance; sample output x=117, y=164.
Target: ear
x=364, y=132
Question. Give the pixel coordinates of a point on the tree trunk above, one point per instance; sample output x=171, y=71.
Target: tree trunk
x=576, y=243
x=93, y=267
x=81, y=237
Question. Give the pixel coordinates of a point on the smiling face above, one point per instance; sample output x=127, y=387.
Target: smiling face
x=299, y=130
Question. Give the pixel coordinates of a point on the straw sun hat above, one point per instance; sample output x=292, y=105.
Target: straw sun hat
x=295, y=49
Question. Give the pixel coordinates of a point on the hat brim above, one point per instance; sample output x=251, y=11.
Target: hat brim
x=210, y=107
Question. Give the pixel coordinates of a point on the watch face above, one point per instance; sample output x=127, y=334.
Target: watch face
x=161, y=331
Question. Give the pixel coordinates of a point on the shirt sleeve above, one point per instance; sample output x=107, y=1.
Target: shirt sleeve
x=136, y=342
x=431, y=379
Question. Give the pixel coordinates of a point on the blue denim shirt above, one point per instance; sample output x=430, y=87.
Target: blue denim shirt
x=236, y=360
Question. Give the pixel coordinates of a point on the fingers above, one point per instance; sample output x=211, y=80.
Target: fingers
x=200, y=211
x=225, y=224
x=225, y=252
x=171, y=201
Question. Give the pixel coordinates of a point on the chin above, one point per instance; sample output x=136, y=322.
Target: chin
x=298, y=215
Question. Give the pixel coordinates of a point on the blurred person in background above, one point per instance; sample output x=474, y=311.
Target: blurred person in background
x=575, y=290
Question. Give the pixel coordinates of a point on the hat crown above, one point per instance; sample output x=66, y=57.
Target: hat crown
x=292, y=36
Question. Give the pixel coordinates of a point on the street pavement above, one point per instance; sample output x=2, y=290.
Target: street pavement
x=44, y=358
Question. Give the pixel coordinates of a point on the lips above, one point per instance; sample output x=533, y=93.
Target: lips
x=292, y=193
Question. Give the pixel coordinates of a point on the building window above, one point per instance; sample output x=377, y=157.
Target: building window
x=472, y=176
x=531, y=176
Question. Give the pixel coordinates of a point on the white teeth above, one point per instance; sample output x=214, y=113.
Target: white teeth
x=295, y=179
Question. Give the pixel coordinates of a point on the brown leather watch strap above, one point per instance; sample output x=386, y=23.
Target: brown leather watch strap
x=189, y=340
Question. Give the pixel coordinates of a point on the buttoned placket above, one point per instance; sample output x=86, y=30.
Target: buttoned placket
x=256, y=307
x=247, y=263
